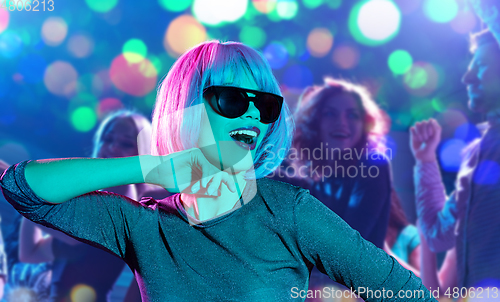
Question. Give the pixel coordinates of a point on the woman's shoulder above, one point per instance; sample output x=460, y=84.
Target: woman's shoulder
x=278, y=193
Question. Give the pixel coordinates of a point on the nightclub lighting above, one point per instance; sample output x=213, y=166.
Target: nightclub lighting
x=134, y=50
x=133, y=78
x=80, y=45
x=449, y=154
x=374, y=22
x=253, y=36
x=312, y=4
x=11, y=44
x=464, y=22
x=400, y=61
x=346, y=56
x=183, y=33
x=83, y=293
x=83, y=119
x=287, y=9
x=54, y=31
x=422, y=79
x=319, y=42
x=297, y=77
x=4, y=20
x=217, y=12
x=101, y=6
x=60, y=78
x=264, y=6
x=108, y=105
x=440, y=11
x=175, y=6
x=276, y=54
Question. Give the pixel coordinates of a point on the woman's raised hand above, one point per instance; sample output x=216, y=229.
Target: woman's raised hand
x=186, y=171
x=424, y=138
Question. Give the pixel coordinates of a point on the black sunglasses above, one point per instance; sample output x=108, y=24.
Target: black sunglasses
x=233, y=102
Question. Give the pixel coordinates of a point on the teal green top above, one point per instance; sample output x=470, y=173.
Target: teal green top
x=263, y=251
x=408, y=240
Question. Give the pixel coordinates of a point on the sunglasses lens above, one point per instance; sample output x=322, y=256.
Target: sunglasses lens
x=269, y=108
x=232, y=103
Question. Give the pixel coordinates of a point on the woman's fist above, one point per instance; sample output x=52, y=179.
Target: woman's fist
x=424, y=139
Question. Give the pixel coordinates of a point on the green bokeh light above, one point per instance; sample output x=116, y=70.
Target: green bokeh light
x=438, y=105
x=253, y=36
x=175, y=5
x=83, y=119
x=101, y=6
x=421, y=109
x=290, y=46
x=334, y=4
x=441, y=11
x=312, y=4
x=287, y=9
x=400, y=61
x=416, y=78
x=134, y=50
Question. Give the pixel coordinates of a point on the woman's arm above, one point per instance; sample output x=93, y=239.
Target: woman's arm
x=33, y=246
x=340, y=252
x=59, y=180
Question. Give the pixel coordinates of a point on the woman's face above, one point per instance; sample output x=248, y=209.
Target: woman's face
x=218, y=141
x=119, y=139
x=341, y=122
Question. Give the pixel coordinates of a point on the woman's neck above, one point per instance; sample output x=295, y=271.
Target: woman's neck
x=204, y=207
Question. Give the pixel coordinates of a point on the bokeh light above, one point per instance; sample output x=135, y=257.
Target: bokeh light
x=215, y=12
x=422, y=79
x=54, y=31
x=287, y=9
x=276, y=54
x=297, y=77
x=101, y=6
x=4, y=20
x=319, y=42
x=133, y=78
x=175, y=6
x=407, y=7
x=82, y=293
x=464, y=22
x=253, y=36
x=487, y=173
x=183, y=33
x=10, y=44
x=265, y=6
x=80, y=45
x=108, y=105
x=134, y=50
x=312, y=4
x=467, y=132
x=400, y=61
x=346, y=56
x=440, y=11
x=60, y=78
x=32, y=68
x=374, y=22
x=83, y=119
x=449, y=154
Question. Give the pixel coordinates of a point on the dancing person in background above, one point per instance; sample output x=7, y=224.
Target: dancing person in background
x=466, y=220
x=75, y=263
x=402, y=240
x=341, y=119
x=219, y=113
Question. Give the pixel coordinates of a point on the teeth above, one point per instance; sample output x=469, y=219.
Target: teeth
x=246, y=132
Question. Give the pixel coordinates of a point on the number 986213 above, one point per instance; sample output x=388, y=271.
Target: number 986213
x=28, y=5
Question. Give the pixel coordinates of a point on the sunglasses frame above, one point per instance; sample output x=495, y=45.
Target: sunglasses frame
x=216, y=90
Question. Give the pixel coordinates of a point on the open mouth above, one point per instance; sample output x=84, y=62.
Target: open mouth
x=245, y=137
